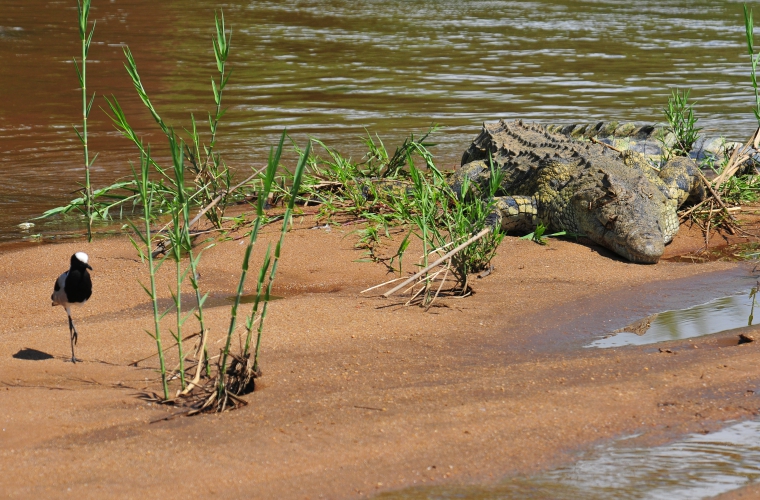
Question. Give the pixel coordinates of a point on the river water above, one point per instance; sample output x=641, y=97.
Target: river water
x=330, y=69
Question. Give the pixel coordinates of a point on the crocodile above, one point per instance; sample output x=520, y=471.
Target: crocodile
x=615, y=199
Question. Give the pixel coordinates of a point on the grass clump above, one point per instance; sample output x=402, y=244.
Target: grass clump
x=404, y=193
x=214, y=386
x=681, y=124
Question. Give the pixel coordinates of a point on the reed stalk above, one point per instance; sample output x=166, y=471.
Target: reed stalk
x=754, y=58
x=83, y=11
x=212, y=175
x=180, y=241
x=262, y=195
x=145, y=191
x=273, y=161
x=296, y=186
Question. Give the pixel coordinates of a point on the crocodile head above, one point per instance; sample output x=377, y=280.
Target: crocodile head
x=627, y=214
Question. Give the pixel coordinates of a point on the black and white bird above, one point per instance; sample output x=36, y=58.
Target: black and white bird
x=73, y=287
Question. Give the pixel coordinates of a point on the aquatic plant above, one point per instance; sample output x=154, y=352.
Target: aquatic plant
x=236, y=373
x=83, y=11
x=212, y=177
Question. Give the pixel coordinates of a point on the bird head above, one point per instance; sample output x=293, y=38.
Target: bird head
x=80, y=260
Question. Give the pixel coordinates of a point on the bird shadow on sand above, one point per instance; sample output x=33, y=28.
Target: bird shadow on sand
x=32, y=355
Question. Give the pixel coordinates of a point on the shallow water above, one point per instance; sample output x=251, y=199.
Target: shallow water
x=719, y=315
x=696, y=467
x=330, y=68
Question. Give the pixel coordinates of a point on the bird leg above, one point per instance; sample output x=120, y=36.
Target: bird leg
x=74, y=336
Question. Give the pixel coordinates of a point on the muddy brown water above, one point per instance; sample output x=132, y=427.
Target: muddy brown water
x=330, y=68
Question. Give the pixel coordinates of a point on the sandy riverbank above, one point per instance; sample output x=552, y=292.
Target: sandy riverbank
x=359, y=394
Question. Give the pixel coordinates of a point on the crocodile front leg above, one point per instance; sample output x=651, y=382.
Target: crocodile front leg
x=514, y=213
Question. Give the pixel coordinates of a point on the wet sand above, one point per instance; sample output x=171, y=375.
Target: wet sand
x=360, y=395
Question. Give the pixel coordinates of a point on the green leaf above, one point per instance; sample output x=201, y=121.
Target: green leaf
x=79, y=73
x=89, y=39
x=216, y=92
x=89, y=106
x=81, y=139
x=224, y=82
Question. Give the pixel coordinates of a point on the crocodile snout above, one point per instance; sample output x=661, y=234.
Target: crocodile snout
x=646, y=248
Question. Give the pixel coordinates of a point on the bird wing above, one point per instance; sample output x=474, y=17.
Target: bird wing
x=59, y=296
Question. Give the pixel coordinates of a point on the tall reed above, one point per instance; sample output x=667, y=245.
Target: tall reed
x=178, y=244
x=267, y=269
x=294, y=189
x=146, y=192
x=213, y=176
x=83, y=11
x=754, y=58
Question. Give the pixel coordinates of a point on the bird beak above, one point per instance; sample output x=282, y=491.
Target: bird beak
x=88, y=267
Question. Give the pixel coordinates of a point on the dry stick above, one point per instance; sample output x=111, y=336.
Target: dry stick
x=381, y=285
x=718, y=210
x=686, y=213
x=199, y=366
x=733, y=162
x=738, y=157
x=707, y=231
x=596, y=141
x=422, y=289
x=439, y=261
x=441, y=286
x=428, y=280
x=719, y=201
x=219, y=198
x=211, y=205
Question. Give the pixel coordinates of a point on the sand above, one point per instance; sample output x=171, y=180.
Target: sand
x=359, y=394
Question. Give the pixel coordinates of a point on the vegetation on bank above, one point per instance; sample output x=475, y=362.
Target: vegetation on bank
x=402, y=194
x=735, y=178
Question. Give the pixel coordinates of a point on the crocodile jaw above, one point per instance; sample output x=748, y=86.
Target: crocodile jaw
x=645, y=249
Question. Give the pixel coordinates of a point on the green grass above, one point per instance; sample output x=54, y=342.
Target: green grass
x=403, y=193
x=754, y=58
x=539, y=237
x=145, y=193
x=170, y=191
x=83, y=11
x=681, y=124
